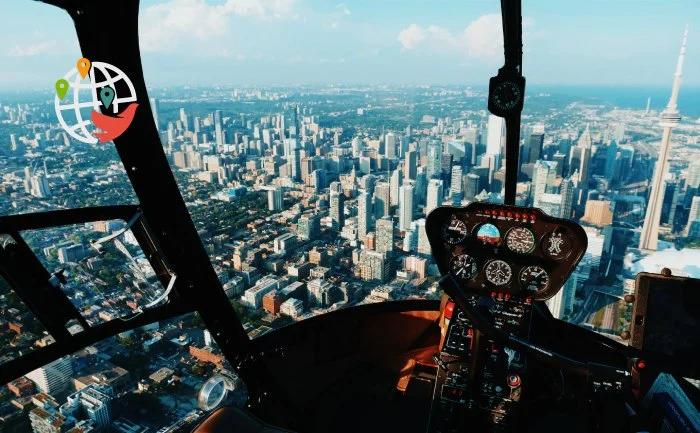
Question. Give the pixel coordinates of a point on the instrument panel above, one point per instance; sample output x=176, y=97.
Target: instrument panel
x=512, y=250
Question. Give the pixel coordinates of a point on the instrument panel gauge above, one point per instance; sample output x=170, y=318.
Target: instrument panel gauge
x=498, y=272
x=454, y=231
x=520, y=240
x=534, y=278
x=463, y=266
x=557, y=245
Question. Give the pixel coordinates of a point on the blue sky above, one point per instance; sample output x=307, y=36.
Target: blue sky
x=195, y=42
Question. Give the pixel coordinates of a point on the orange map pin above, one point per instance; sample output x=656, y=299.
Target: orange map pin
x=83, y=67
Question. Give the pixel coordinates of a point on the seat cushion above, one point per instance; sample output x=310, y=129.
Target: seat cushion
x=233, y=420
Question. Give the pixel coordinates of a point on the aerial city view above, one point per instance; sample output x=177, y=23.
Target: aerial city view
x=313, y=198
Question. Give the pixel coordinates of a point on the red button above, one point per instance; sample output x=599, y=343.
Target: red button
x=528, y=300
x=449, y=309
x=502, y=213
x=507, y=296
x=641, y=364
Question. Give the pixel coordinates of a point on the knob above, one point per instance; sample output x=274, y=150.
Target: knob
x=513, y=380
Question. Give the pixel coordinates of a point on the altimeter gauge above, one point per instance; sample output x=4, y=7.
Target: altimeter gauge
x=463, y=266
x=520, y=240
x=498, y=272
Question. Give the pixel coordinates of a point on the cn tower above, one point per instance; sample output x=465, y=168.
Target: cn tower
x=670, y=118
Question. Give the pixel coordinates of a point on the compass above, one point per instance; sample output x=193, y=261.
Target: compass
x=506, y=92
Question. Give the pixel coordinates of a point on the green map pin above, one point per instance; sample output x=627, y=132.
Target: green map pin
x=62, y=87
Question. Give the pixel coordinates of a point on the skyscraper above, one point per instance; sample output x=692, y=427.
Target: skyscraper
x=396, y=182
x=385, y=235
x=382, y=200
x=456, y=180
x=567, y=198
x=435, y=195
x=406, y=205
x=390, y=145
x=54, y=377
x=434, y=159
x=542, y=179
x=337, y=210
x=364, y=214
x=411, y=165
x=495, y=135
x=218, y=128
x=275, y=199
x=155, y=109
x=535, y=148
x=670, y=118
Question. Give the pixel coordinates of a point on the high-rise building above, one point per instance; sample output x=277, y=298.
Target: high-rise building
x=585, y=140
x=94, y=402
x=434, y=167
x=309, y=226
x=471, y=186
x=535, y=148
x=456, y=180
x=385, y=235
x=54, y=377
x=406, y=205
x=275, y=199
x=218, y=128
x=694, y=213
x=396, y=182
x=337, y=210
x=670, y=118
x=390, y=145
x=542, y=180
x=184, y=119
x=693, y=176
x=495, y=135
x=382, y=200
x=374, y=266
x=356, y=147
x=598, y=213
x=411, y=165
x=155, y=109
x=435, y=195
x=578, y=162
x=364, y=214
x=567, y=198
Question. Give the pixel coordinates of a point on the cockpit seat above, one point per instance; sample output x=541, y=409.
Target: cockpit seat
x=233, y=420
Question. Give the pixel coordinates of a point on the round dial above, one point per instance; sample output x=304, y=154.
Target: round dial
x=489, y=234
x=454, y=231
x=534, y=278
x=506, y=95
x=520, y=240
x=463, y=266
x=557, y=245
x=498, y=272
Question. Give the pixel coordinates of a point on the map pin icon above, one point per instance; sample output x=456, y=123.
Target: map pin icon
x=106, y=96
x=83, y=67
x=62, y=88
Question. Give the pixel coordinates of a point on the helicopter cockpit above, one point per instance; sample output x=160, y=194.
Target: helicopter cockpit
x=342, y=258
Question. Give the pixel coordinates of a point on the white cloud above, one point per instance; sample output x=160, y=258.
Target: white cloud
x=32, y=49
x=343, y=9
x=411, y=36
x=483, y=38
x=165, y=26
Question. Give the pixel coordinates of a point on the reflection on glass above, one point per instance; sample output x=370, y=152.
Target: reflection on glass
x=107, y=280
x=20, y=331
x=150, y=377
x=488, y=233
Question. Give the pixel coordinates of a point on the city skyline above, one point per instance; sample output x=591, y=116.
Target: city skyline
x=193, y=42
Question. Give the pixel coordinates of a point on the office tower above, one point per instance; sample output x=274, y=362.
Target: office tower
x=356, y=147
x=374, y=266
x=309, y=226
x=364, y=214
x=49, y=420
x=578, y=162
x=648, y=105
x=495, y=135
x=155, y=108
x=337, y=211
x=434, y=166
x=40, y=186
x=671, y=196
x=54, y=377
x=411, y=165
x=382, y=200
x=406, y=205
x=218, y=128
x=597, y=213
x=611, y=161
x=585, y=140
x=562, y=303
x=456, y=180
x=184, y=119
x=670, y=118
x=435, y=195
x=542, y=179
x=390, y=145
x=94, y=402
x=535, y=148
x=694, y=213
x=385, y=234
x=275, y=199
x=396, y=182
x=567, y=198
x=471, y=186
x=423, y=242
x=693, y=175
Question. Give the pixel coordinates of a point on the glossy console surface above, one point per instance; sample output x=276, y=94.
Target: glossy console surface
x=493, y=248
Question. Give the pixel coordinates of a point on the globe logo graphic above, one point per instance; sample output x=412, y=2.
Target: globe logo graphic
x=83, y=96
